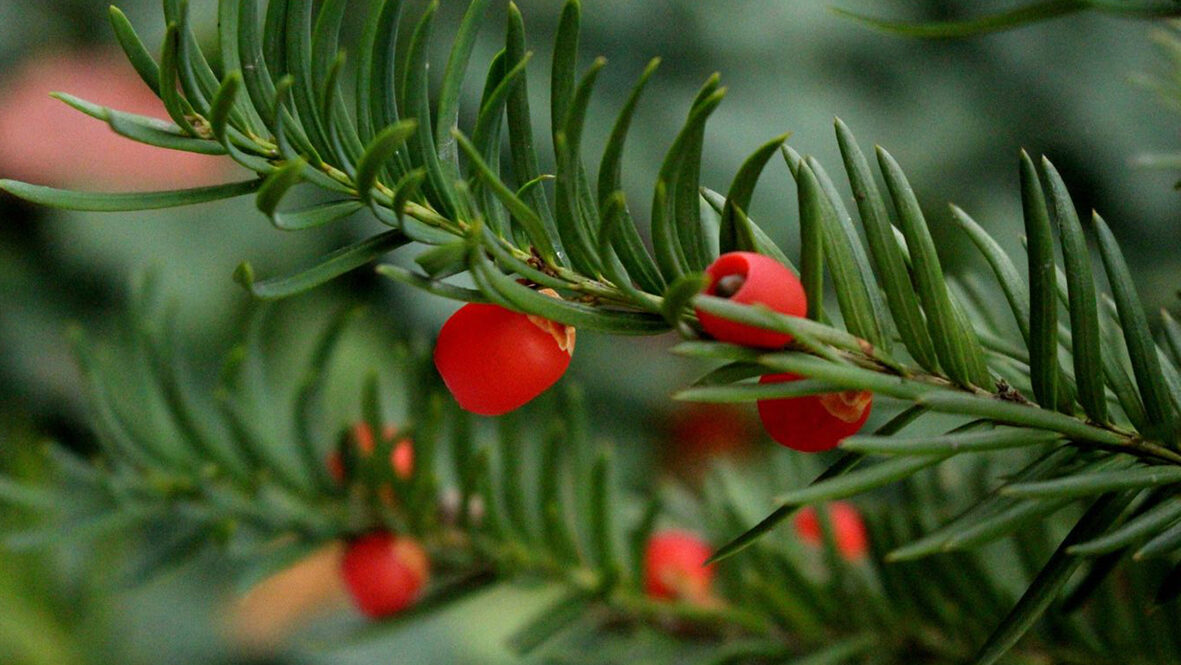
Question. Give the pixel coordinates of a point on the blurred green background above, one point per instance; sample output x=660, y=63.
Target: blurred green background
x=954, y=114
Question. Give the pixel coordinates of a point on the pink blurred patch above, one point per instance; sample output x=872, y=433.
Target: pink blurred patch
x=699, y=434
x=44, y=141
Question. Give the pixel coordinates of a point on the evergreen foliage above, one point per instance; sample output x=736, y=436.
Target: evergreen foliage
x=1075, y=414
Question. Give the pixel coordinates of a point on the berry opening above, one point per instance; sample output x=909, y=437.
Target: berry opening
x=729, y=285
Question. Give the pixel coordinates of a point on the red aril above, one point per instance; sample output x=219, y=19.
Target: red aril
x=847, y=526
x=384, y=573
x=750, y=278
x=816, y=422
x=674, y=567
x=494, y=360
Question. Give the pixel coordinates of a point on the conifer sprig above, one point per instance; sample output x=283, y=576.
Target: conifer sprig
x=243, y=469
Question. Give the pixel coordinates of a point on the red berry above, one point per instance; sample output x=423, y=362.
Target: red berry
x=814, y=423
x=402, y=455
x=674, y=567
x=847, y=525
x=494, y=360
x=361, y=436
x=697, y=434
x=384, y=573
x=750, y=278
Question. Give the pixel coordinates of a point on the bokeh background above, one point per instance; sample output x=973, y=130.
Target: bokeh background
x=953, y=113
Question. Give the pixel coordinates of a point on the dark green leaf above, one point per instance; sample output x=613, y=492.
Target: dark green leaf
x=762, y=317
x=1084, y=312
x=852, y=293
x=896, y=281
x=274, y=36
x=1036, y=10
x=445, y=260
x=330, y=267
x=1163, y=544
x=1049, y=581
x=629, y=247
x=520, y=129
x=222, y=104
x=431, y=286
x=565, y=65
x=339, y=129
x=512, y=494
x=1116, y=372
x=991, y=504
x=751, y=392
x=612, y=240
x=952, y=443
x=326, y=39
x=299, y=56
x=447, y=114
x=1003, y=523
x=121, y=202
x=144, y=129
x=28, y=496
x=679, y=294
x=573, y=221
x=763, y=242
x=379, y=151
x=180, y=396
x=852, y=378
x=421, y=146
x=259, y=85
x=377, y=79
x=529, y=219
x=1043, y=313
x=143, y=62
x=229, y=45
x=1141, y=349
x=863, y=480
x=957, y=348
x=111, y=430
x=1097, y=572
x=732, y=235
x=196, y=76
x=1149, y=523
x=811, y=247
x=1087, y=484
x=1172, y=335
x=315, y=215
x=849, y=238
x=178, y=108
x=311, y=387
x=668, y=232
x=1006, y=273
x=1018, y=414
